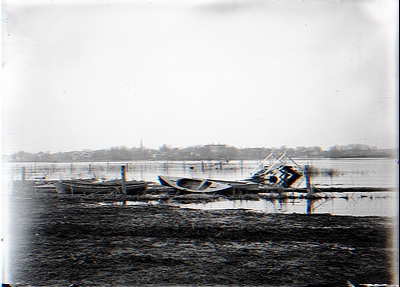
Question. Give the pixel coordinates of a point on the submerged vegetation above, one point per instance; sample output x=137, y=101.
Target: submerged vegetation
x=199, y=152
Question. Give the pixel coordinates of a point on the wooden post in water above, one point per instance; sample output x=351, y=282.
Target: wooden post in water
x=123, y=177
x=23, y=173
x=309, y=205
x=307, y=174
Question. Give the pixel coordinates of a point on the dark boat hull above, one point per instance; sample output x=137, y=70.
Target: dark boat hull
x=241, y=186
x=86, y=187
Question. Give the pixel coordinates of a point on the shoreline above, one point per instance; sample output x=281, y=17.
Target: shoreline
x=63, y=239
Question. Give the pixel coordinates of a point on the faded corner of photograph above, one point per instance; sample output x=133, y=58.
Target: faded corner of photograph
x=199, y=143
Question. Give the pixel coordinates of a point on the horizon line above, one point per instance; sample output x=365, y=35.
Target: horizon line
x=210, y=144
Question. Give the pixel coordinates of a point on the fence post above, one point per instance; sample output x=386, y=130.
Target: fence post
x=307, y=173
x=23, y=173
x=123, y=178
x=309, y=205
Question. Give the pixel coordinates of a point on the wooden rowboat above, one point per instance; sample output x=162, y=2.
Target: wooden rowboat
x=241, y=185
x=194, y=185
x=91, y=187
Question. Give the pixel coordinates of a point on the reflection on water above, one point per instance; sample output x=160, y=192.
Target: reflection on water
x=356, y=204
x=132, y=203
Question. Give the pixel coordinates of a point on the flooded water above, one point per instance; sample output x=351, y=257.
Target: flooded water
x=346, y=173
x=355, y=204
x=369, y=204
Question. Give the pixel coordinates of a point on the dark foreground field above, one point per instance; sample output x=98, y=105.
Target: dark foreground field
x=64, y=240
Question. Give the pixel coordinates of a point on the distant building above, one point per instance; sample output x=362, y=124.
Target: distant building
x=216, y=147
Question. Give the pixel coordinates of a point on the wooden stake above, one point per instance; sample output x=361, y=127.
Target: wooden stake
x=307, y=173
x=123, y=177
x=309, y=205
x=23, y=173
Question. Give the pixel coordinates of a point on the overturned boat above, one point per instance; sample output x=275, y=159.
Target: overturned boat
x=194, y=185
x=77, y=186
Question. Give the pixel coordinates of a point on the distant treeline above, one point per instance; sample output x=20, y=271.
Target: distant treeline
x=200, y=152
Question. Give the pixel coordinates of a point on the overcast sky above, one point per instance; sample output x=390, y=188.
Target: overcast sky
x=95, y=74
